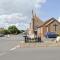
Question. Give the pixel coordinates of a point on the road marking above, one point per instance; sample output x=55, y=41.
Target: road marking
x=14, y=47
x=3, y=53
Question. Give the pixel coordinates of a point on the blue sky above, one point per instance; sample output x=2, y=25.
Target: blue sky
x=50, y=9
x=19, y=12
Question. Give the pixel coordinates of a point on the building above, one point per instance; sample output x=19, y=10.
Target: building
x=39, y=28
x=51, y=25
x=34, y=24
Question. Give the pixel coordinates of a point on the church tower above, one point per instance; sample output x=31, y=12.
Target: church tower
x=35, y=22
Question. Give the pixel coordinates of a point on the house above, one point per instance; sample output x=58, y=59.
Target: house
x=51, y=25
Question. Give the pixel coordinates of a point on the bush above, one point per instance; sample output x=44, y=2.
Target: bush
x=5, y=32
x=13, y=30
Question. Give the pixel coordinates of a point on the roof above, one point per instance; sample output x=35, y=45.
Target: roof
x=37, y=21
x=49, y=22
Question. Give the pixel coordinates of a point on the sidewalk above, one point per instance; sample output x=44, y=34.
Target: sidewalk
x=38, y=45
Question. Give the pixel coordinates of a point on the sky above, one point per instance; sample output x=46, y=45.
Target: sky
x=19, y=12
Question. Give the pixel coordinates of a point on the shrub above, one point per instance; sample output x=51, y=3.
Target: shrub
x=5, y=32
x=13, y=30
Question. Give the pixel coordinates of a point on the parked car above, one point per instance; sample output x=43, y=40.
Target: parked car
x=1, y=35
x=51, y=35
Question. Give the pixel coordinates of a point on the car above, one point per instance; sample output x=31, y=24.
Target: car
x=51, y=35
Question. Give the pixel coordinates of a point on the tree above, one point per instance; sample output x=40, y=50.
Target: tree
x=13, y=30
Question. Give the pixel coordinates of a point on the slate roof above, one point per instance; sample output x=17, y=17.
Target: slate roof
x=49, y=22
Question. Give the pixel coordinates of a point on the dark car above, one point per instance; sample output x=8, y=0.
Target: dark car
x=51, y=35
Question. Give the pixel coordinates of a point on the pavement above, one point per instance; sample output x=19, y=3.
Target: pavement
x=32, y=54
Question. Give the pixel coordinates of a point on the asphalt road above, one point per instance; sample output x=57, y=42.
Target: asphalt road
x=6, y=43
x=32, y=54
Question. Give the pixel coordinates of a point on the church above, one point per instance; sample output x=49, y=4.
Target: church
x=34, y=24
x=51, y=25
x=39, y=28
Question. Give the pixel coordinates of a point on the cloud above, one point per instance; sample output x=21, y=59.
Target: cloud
x=13, y=19
x=17, y=12
x=39, y=3
x=18, y=6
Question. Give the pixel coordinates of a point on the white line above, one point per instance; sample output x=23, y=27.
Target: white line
x=3, y=53
x=14, y=47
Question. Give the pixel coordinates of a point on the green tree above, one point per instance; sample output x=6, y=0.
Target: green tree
x=13, y=30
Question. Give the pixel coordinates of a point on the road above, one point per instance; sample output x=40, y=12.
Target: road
x=32, y=54
x=6, y=43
